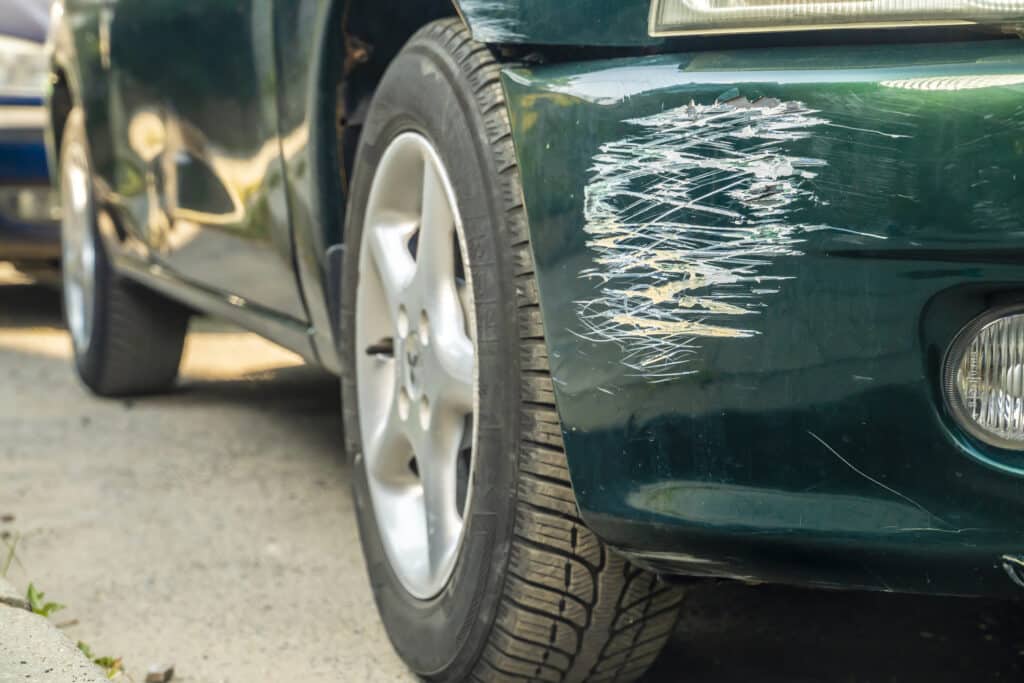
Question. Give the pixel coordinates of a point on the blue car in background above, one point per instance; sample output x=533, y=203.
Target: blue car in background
x=29, y=211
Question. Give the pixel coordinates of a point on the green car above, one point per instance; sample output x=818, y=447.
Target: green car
x=622, y=293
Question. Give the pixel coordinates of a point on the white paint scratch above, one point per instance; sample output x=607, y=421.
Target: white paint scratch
x=686, y=217
x=1013, y=565
x=491, y=20
x=870, y=478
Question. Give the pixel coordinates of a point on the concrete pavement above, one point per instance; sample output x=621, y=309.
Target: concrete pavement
x=211, y=528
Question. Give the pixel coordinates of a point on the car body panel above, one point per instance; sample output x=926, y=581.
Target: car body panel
x=22, y=152
x=618, y=23
x=750, y=265
x=197, y=155
x=236, y=205
x=284, y=279
x=592, y=26
x=29, y=232
x=306, y=114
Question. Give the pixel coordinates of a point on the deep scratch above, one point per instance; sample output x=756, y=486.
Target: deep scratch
x=872, y=479
x=1013, y=565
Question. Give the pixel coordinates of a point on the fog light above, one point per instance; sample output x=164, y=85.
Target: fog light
x=984, y=379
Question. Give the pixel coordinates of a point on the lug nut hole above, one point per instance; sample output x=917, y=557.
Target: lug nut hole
x=424, y=329
x=424, y=412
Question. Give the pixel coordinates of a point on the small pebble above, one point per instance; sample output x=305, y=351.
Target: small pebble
x=159, y=673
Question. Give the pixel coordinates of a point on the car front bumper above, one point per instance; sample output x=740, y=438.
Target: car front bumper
x=750, y=265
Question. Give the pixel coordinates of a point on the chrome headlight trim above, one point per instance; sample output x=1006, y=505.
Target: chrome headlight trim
x=952, y=364
x=710, y=17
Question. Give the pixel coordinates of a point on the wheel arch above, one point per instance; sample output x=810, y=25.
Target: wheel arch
x=61, y=102
x=78, y=80
x=355, y=42
x=372, y=33
x=64, y=91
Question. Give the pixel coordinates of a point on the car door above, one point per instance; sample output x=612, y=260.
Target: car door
x=194, y=105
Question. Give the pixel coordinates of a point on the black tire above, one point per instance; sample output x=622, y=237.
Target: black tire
x=534, y=594
x=136, y=336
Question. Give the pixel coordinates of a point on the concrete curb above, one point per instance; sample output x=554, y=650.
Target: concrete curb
x=11, y=597
x=33, y=649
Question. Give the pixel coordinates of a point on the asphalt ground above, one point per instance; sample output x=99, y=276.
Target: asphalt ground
x=212, y=528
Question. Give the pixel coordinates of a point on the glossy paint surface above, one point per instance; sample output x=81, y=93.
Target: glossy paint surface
x=198, y=158
x=213, y=127
x=751, y=264
x=307, y=58
x=22, y=157
x=182, y=117
x=577, y=22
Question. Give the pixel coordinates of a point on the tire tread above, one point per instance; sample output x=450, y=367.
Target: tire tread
x=571, y=610
x=144, y=336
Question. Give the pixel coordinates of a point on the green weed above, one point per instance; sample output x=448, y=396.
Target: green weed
x=38, y=604
x=111, y=666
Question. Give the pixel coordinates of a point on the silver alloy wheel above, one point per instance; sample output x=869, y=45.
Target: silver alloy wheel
x=78, y=246
x=416, y=374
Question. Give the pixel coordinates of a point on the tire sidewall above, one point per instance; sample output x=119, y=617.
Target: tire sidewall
x=424, y=91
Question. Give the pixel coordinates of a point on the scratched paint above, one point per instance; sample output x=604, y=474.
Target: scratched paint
x=491, y=21
x=1013, y=565
x=687, y=218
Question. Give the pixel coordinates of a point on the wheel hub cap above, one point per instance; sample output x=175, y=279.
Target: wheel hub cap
x=416, y=364
x=412, y=361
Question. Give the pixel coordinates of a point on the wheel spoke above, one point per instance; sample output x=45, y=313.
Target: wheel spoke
x=456, y=362
x=387, y=450
x=388, y=244
x=438, y=472
x=435, y=255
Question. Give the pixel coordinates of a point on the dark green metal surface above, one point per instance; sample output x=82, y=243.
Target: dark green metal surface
x=240, y=190
x=577, y=22
x=750, y=265
x=751, y=262
x=198, y=84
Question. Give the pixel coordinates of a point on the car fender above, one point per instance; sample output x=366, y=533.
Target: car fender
x=607, y=23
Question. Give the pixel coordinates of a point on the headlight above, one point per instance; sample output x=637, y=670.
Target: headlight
x=23, y=67
x=984, y=379
x=706, y=17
